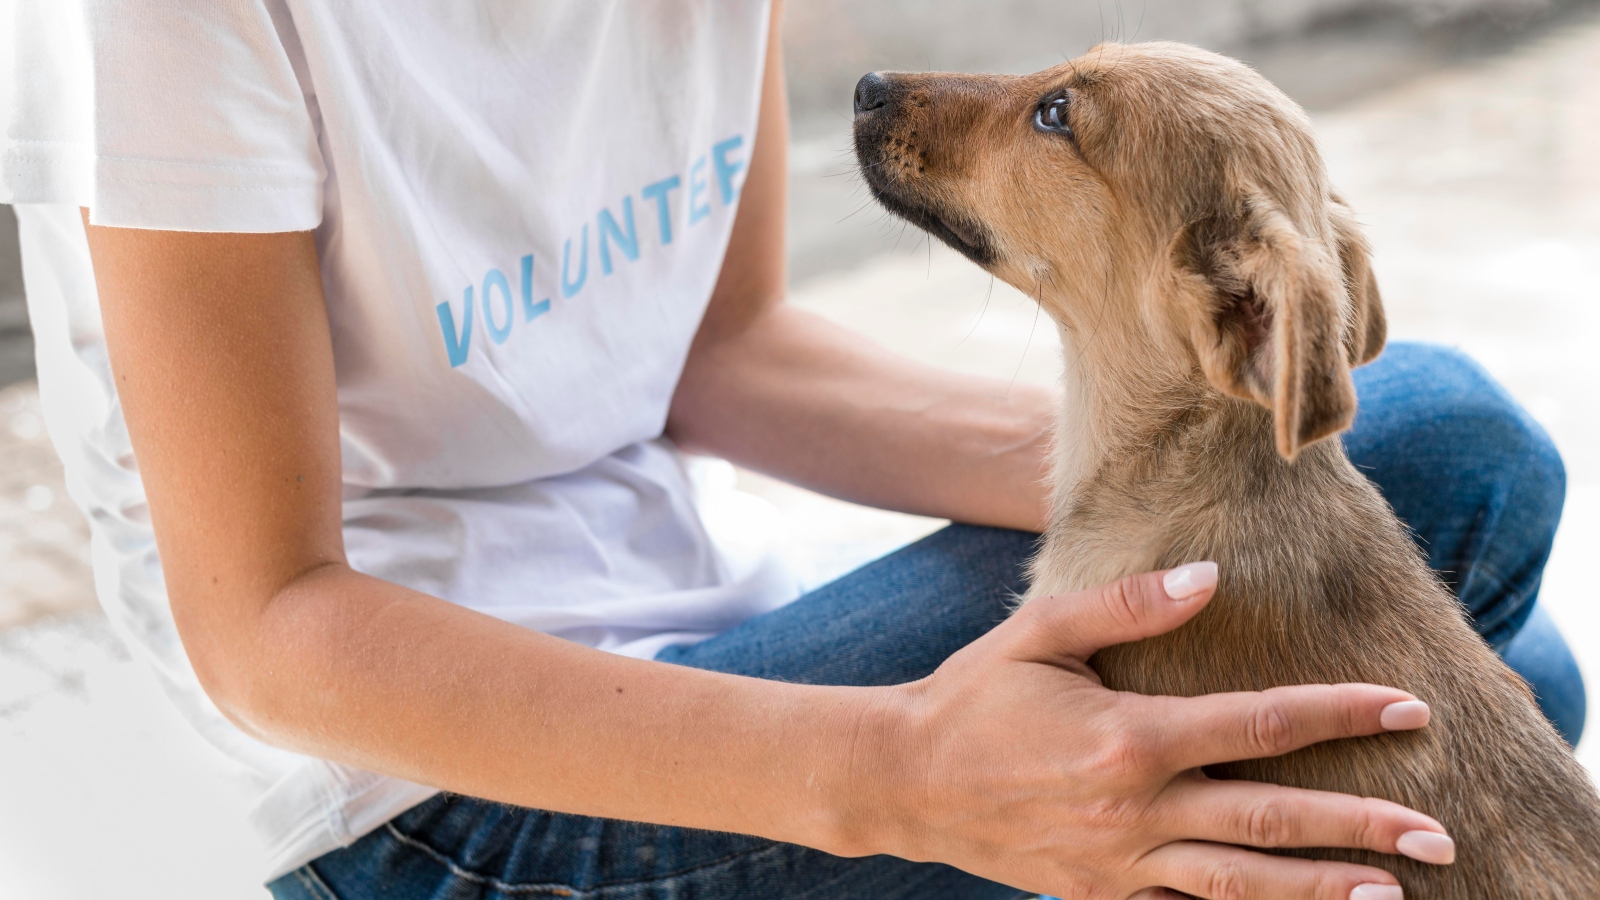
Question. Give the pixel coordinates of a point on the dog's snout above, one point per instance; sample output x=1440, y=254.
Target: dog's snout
x=872, y=92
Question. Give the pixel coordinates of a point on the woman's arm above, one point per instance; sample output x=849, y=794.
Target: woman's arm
x=787, y=392
x=224, y=367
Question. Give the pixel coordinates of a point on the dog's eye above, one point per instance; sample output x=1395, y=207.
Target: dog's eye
x=1052, y=115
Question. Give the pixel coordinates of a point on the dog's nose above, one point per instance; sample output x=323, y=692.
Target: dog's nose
x=872, y=92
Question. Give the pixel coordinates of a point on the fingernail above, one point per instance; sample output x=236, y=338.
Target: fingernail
x=1428, y=847
x=1377, y=892
x=1405, y=715
x=1186, y=581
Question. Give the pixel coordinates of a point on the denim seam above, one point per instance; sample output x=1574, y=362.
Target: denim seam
x=1512, y=599
x=563, y=890
x=457, y=870
x=314, y=883
x=1501, y=584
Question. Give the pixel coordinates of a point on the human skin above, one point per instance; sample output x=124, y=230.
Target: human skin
x=1011, y=761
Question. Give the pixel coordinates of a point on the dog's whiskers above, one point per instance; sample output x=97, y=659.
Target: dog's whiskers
x=978, y=320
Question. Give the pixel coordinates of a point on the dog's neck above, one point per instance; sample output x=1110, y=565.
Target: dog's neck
x=1122, y=376
x=1142, y=440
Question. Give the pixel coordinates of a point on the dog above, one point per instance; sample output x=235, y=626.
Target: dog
x=1169, y=208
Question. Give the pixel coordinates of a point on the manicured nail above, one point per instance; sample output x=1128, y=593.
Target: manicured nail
x=1405, y=715
x=1186, y=581
x=1377, y=892
x=1428, y=847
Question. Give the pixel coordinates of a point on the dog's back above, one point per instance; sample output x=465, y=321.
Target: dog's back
x=1321, y=584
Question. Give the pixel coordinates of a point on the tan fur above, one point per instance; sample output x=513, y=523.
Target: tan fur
x=1212, y=293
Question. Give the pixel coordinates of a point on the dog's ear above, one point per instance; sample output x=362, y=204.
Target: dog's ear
x=1367, y=328
x=1266, y=318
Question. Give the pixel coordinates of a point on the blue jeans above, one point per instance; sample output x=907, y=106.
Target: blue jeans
x=1477, y=480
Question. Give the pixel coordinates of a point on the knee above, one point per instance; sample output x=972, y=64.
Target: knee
x=1541, y=481
x=1504, y=445
x=1443, y=406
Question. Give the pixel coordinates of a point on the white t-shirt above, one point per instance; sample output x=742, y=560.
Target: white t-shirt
x=520, y=210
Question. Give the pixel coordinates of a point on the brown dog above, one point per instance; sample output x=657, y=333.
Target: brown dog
x=1169, y=208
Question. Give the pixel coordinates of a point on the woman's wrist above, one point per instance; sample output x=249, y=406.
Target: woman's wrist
x=878, y=773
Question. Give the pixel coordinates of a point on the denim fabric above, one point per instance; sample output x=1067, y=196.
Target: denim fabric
x=1475, y=478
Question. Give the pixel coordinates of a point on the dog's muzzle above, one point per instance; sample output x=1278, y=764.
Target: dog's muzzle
x=892, y=156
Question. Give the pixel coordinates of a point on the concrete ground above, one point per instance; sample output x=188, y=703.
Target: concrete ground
x=1476, y=178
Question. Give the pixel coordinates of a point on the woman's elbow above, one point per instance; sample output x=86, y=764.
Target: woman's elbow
x=251, y=651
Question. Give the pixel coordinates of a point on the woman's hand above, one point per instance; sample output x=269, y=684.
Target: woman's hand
x=1013, y=762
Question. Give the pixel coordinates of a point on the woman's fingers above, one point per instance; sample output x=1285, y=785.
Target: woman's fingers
x=1075, y=626
x=1218, y=728
x=998, y=717
x=1270, y=816
x=1218, y=872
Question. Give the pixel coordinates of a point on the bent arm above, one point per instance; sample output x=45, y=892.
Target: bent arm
x=223, y=360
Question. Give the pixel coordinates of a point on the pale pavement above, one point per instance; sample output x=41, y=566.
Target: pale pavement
x=1480, y=188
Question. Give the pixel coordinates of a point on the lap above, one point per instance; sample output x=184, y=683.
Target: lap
x=459, y=848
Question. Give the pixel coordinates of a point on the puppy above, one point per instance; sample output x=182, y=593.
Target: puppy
x=1168, y=207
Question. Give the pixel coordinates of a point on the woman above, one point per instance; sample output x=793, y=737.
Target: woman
x=406, y=310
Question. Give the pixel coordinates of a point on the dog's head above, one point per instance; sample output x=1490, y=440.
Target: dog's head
x=1157, y=186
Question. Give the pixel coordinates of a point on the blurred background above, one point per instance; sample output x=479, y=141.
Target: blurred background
x=1465, y=132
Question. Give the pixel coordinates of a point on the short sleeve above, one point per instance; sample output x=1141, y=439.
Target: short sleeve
x=185, y=115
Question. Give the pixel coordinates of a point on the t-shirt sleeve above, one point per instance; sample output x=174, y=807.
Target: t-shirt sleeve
x=186, y=115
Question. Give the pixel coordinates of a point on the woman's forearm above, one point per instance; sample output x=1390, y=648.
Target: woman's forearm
x=358, y=670
x=801, y=398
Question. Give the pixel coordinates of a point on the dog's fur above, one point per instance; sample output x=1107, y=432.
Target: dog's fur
x=1213, y=293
